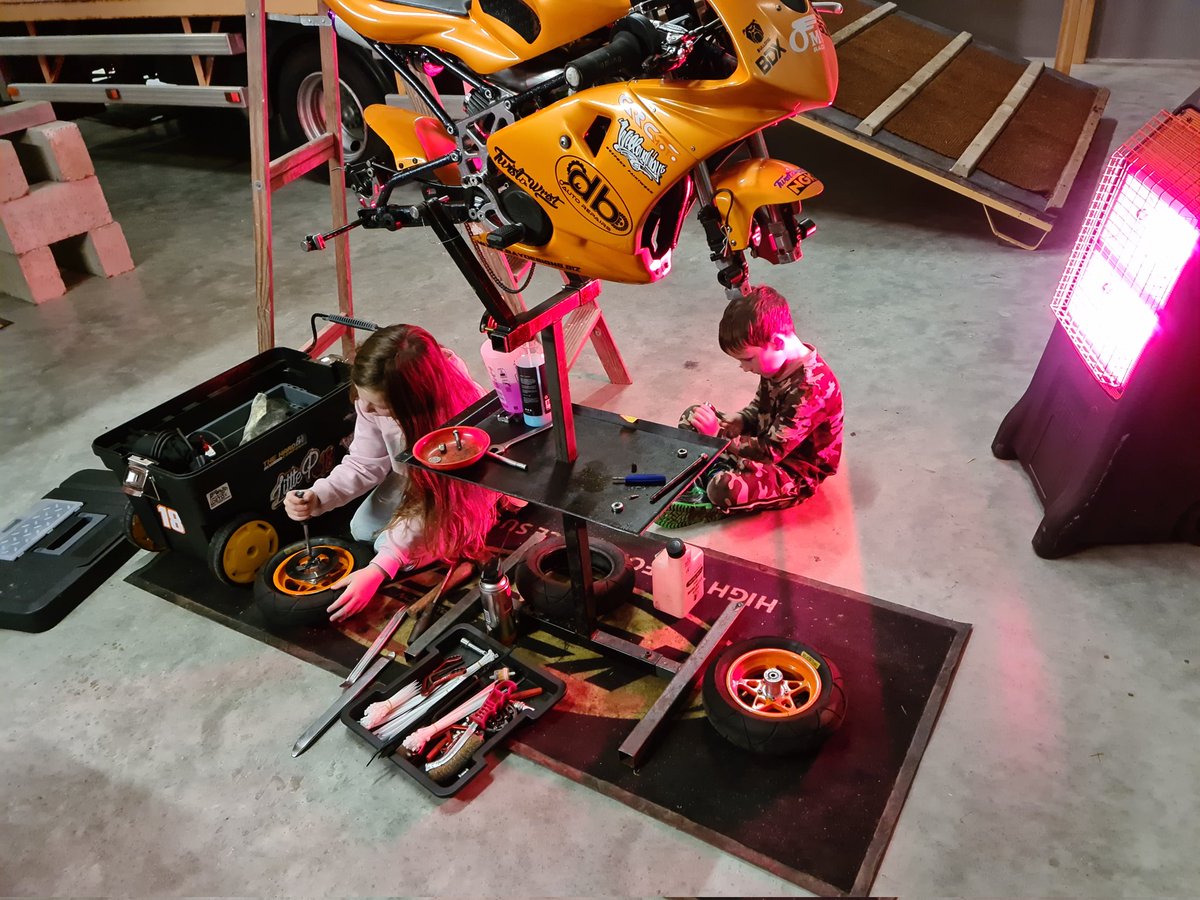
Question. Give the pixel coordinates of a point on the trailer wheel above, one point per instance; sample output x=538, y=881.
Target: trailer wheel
x=134, y=530
x=301, y=108
x=240, y=547
x=290, y=596
x=773, y=695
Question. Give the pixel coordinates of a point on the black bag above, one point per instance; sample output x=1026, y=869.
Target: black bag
x=172, y=451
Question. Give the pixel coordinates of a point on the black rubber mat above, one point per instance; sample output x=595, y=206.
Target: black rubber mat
x=821, y=821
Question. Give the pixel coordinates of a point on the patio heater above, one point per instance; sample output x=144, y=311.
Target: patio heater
x=1109, y=427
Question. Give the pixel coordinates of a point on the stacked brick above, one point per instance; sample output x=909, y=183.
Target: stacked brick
x=53, y=214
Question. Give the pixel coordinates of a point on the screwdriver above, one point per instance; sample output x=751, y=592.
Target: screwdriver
x=633, y=478
x=304, y=525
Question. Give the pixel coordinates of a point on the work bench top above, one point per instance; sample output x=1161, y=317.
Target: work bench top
x=608, y=445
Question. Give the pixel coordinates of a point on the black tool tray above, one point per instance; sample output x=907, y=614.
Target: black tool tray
x=528, y=676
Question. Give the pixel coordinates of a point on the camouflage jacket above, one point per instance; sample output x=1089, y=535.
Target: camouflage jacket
x=795, y=420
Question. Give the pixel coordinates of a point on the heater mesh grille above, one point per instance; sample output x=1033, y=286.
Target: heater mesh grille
x=1139, y=232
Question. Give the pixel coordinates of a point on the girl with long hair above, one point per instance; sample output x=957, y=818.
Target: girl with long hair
x=407, y=382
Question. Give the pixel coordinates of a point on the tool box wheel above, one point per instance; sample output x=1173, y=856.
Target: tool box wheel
x=773, y=695
x=240, y=547
x=290, y=593
x=134, y=530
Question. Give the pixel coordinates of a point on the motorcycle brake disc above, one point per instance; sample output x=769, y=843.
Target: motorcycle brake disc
x=312, y=569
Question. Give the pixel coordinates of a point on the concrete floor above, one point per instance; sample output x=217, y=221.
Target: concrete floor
x=145, y=750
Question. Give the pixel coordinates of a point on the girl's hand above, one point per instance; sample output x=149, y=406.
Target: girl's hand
x=361, y=587
x=301, y=505
x=704, y=420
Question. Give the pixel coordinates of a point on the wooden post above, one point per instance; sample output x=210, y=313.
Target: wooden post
x=1068, y=32
x=1083, y=31
x=260, y=181
x=331, y=85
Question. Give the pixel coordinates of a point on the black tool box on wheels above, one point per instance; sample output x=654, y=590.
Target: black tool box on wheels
x=193, y=485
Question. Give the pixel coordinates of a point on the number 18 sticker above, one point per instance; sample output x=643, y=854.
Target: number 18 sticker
x=170, y=519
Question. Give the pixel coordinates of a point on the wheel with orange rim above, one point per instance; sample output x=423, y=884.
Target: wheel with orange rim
x=773, y=695
x=332, y=564
x=295, y=587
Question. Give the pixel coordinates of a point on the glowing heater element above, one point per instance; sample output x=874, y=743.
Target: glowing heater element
x=1140, y=231
x=1107, y=428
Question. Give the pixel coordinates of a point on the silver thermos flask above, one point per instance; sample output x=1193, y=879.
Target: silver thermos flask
x=497, y=598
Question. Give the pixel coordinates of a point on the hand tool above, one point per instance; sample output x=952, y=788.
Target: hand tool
x=467, y=605
x=687, y=473
x=496, y=451
x=348, y=696
x=304, y=525
x=508, y=462
x=374, y=650
x=425, y=608
x=640, y=479
x=457, y=756
x=502, y=447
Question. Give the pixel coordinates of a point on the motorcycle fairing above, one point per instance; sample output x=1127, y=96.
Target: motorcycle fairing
x=744, y=187
x=606, y=164
x=482, y=39
x=413, y=138
x=557, y=155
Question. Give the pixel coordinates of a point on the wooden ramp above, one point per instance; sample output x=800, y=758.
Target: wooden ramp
x=999, y=129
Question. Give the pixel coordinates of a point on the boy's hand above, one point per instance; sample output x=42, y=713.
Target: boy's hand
x=301, y=505
x=731, y=427
x=704, y=420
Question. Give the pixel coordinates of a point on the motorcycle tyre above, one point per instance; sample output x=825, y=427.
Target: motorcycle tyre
x=282, y=610
x=545, y=585
x=769, y=736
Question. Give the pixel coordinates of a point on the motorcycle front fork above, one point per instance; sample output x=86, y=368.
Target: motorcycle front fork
x=732, y=269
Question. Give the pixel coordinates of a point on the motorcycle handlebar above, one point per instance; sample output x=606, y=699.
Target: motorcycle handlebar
x=629, y=47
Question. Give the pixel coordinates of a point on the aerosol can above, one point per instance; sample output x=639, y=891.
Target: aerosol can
x=496, y=595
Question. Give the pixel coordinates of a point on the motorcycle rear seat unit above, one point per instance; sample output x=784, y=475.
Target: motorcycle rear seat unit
x=449, y=7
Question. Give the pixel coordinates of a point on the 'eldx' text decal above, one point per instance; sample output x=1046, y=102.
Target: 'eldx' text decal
x=592, y=196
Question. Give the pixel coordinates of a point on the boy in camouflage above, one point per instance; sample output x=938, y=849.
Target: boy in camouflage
x=789, y=439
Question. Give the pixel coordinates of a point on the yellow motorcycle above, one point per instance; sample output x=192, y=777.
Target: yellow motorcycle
x=587, y=130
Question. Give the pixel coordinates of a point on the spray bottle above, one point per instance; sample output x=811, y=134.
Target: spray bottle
x=535, y=393
x=502, y=369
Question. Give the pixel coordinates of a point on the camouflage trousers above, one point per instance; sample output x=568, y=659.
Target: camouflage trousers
x=743, y=485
